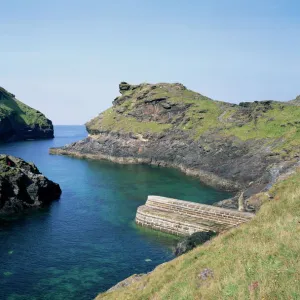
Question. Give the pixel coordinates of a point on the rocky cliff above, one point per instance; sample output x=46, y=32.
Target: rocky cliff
x=22, y=186
x=229, y=146
x=21, y=122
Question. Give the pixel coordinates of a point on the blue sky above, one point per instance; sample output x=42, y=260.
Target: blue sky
x=66, y=58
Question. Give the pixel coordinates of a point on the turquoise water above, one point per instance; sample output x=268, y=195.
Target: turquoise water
x=87, y=241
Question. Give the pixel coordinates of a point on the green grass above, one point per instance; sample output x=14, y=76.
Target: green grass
x=20, y=112
x=280, y=124
x=203, y=116
x=113, y=122
x=258, y=260
x=274, y=123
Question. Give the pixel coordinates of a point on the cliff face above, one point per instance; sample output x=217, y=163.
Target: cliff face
x=21, y=122
x=229, y=146
x=22, y=186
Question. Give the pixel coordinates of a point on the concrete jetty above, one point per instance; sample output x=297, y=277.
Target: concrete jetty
x=184, y=218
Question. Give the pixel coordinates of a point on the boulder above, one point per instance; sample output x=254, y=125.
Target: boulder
x=22, y=186
x=124, y=86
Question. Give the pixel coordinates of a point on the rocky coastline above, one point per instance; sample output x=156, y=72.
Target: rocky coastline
x=168, y=125
x=243, y=148
x=204, y=176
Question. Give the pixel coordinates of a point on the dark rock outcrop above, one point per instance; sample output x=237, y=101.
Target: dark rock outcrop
x=21, y=122
x=124, y=86
x=192, y=241
x=22, y=186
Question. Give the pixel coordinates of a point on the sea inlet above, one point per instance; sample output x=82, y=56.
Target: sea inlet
x=87, y=241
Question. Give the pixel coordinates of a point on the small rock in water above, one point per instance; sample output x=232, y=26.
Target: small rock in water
x=148, y=259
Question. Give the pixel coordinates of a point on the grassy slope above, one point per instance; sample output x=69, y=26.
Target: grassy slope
x=111, y=121
x=258, y=260
x=20, y=112
x=281, y=123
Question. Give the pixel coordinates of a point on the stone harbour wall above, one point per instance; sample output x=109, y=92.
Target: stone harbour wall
x=184, y=218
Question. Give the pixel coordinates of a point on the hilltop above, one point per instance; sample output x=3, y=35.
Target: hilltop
x=21, y=122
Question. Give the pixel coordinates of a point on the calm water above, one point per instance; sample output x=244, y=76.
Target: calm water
x=87, y=241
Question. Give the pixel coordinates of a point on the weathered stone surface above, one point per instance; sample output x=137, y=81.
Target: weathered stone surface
x=184, y=218
x=124, y=86
x=22, y=186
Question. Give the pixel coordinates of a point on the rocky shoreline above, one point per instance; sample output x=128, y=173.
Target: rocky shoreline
x=276, y=173
x=226, y=146
x=261, y=181
x=205, y=177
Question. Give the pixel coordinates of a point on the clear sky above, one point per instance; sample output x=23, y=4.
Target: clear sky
x=66, y=58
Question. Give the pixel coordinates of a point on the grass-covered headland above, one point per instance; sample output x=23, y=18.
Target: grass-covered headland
x=161, y=108
x=235, y=147
x=18, y=121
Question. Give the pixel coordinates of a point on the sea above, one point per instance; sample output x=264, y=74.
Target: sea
x=87, y=241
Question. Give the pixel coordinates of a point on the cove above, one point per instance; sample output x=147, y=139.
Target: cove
x=87, y=241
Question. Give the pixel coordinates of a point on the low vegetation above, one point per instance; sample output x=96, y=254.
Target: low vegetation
x=258, y=260
x=12, y=108
x=113, y=122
